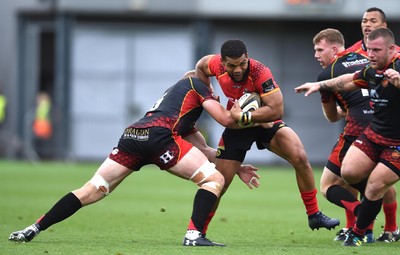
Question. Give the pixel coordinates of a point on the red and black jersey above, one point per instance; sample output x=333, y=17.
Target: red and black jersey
x=355, y=103
x=385, y=98
x=258, y=78
x=179, y=108
x=360, y=48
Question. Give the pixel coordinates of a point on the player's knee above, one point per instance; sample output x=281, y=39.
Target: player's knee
x=100, y=184
x=207, y=176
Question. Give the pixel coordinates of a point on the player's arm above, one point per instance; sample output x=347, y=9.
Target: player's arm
x=247, y=173
x=219, y=113
x=331, y=110
x=341, y=83
x=202, y=71
x=198, y=140
x=271, y=109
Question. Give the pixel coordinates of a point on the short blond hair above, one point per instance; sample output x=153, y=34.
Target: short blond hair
x=331, y=36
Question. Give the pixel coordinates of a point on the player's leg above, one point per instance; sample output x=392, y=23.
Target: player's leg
x=286, y=144
x=336, y=191
x=105, y=180
x=231, y=152
x=380, y=179
x=390, y=231
x=195, y=166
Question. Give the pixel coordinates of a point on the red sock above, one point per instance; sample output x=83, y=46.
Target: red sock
x=360, y=232
x=209, y=218
x=310, y=201
x=390, y=216
x=351, y=206
x=350, y=219
x=371, y=226
x=191, y=225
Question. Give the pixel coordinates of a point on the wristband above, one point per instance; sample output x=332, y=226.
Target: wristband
x=245, y=119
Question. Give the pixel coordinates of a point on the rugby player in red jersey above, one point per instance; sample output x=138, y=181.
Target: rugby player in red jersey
x=236, y=74
x=373, y=18
x=375, y=154
x=157, y=138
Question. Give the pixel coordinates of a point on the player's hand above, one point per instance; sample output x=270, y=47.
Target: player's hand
x=247, y=173
x=235, y=111
x=340, y=112
x=308, y=88
x=393, y=76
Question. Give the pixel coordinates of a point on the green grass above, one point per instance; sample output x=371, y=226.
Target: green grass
x=268, y=220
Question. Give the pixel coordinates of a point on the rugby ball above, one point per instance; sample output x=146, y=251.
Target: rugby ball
x=250, y=101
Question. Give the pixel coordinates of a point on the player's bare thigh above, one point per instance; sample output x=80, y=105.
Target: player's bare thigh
x=287, y=144
x=196, y=167
x=379, y=181
x=356, y=165
x=187, y=165
x=110, y=173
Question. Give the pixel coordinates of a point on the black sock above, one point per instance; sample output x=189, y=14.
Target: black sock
x=360, y=187
x=337, y=194
x=64, y=208
x=202, y=205
x=368, y=211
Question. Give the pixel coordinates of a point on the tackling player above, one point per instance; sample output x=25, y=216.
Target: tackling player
x=157, y=139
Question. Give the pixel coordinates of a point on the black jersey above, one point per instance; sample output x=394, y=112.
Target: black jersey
x=179, y=108
x=385, y=98
x=355, y=103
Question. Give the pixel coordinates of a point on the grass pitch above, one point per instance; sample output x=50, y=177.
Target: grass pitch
x=149, y=212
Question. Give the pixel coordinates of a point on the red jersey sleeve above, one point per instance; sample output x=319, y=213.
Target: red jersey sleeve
x=215, y=65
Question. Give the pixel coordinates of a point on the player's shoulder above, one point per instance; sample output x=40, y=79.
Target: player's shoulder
x=258, y=69
x=356, y=46
x=255, y=62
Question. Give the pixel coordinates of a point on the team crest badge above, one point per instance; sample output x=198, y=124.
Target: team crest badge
x=395, y=154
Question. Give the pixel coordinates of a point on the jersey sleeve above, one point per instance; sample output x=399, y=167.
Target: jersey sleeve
x=215, y=66
x=263, y=78
x=202, y=90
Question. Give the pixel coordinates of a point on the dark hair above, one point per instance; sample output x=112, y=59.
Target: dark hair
x=233, y=49
x=376, y=9
x=330, y=35
x=383, y=32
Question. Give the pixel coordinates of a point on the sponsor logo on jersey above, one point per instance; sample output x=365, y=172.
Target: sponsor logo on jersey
x=268, y=86
x=139, y=134
x=357, y=62
x=368, y=111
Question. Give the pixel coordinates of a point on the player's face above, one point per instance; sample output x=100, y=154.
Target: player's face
x=236, y=67
x=324, y=53
x=370, y=22
x=379, y=52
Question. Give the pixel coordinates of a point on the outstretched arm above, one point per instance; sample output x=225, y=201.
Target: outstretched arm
x=340, y=84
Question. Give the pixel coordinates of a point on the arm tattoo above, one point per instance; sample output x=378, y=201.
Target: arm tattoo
x=333, y=85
